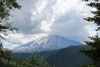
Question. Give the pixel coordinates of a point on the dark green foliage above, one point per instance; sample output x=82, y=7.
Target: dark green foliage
x=69, y=57
x=66, y=57
x=43, y=54
x=7, y=59
x=5, y=7
x=33, y=59
x=96, y=17
x=37, y=61
x=22, y=55
x=94, y=52
x=88, y=0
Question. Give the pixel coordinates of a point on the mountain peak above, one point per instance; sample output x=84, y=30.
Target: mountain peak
x=50, y=42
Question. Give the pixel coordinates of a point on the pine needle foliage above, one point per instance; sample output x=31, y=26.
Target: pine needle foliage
x=96, y=17
x=94, y=52
x=5, y=7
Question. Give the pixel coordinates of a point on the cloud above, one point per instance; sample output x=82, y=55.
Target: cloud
x=18, y=39
x=39, y=18
x=30, y=19
x=69, y=20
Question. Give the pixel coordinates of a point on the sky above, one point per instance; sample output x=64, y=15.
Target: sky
x=39, y=18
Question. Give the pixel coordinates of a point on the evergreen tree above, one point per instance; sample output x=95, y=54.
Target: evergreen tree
x=94, y=52
x=7, y=59
x=96, y=17
x=5, y=25
x=5, y=7
x=37, y=61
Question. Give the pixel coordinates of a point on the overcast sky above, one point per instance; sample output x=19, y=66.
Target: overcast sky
x=39, y=18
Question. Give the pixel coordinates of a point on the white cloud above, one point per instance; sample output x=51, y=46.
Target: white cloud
x=69, y=22
x=18, y=39
x=51, y=17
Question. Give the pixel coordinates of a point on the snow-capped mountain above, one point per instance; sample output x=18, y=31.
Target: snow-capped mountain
x=50, y=42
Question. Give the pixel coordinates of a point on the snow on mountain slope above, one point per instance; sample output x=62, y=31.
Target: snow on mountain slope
x=50, y=42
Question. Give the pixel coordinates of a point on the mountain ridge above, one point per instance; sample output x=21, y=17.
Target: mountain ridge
x=69, y=57
x=65, y=57
x=50, y=42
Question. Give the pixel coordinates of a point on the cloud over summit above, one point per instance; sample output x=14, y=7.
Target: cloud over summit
x=39, y=18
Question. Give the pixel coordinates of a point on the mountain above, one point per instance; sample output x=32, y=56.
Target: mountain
x=69, y=57
x=50, y=42
x=65, y=57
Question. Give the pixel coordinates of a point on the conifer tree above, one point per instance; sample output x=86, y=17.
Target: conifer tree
x=96, y=17
x=5, y=7
x=94, y=52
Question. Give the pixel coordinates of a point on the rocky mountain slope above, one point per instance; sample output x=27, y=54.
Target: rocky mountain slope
x=50, y=42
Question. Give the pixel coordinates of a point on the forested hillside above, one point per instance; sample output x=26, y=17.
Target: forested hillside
x=66, y=57
x=69, y=57
x=44, y=54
